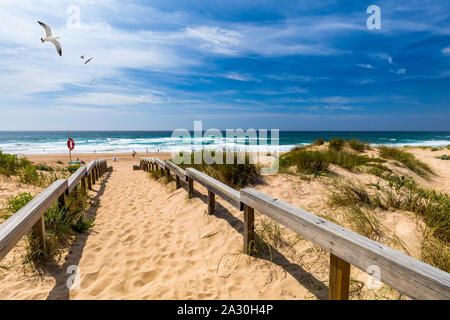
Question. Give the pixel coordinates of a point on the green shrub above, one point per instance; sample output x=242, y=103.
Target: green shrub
x=305, y=161
x=444, y=157
x=73, y=168
x=317, y=162
x=30, y=175
x=44, y=167
x=336, y=143
x=318, y=142
x=357, y=145
x=406, y=158
x=235, y=175
x=16, y=203
x=83, y=224
x=60, y=227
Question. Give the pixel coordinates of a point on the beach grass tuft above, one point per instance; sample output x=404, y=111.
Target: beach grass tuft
x=406, y=158
x=236, y=175
x=317, y=162
x=358, y=145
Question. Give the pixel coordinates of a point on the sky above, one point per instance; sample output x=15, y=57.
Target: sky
x=288, y=65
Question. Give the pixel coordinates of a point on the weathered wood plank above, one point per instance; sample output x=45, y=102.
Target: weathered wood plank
x=211, y=202
x=339, y=279
x=249, y=230
x=410, y=276
x=177, y=170
x=13, y=229
x=75, y=178
x=220, y=189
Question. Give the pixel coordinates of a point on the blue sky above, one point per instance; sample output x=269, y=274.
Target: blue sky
x=295, y=65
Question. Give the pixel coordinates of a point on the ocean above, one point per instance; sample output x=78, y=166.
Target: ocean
x=53, y=142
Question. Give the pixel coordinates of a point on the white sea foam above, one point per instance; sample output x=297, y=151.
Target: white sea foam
x=170, y=144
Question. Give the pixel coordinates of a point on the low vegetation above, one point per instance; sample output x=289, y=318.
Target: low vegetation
x=402, y=193
x=318, y=142
x=16, y=203
x=316, y=162
x=61, y=224
x=336, y=144
x=357, y=145
x=405, y=158
x=236, y=175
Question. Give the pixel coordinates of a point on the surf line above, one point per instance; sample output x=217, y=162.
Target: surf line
x=204, y=311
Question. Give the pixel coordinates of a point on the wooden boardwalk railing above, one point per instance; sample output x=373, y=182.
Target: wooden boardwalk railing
x=407, y=275
x=31, y=216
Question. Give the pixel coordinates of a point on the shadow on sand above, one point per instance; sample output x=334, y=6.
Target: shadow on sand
x=60, y=290
x=303, y=277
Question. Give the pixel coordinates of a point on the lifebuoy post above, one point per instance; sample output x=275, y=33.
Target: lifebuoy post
x=70, y=146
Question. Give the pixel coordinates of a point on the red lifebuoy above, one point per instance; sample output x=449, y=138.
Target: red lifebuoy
x=70, y=144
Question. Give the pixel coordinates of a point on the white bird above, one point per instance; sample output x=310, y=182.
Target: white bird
x=50, y=37
x=88, y=60
x=82, y=57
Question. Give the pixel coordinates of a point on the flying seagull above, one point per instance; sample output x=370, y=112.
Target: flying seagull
x=50, y=37
x=82, y=57
x=88, y=60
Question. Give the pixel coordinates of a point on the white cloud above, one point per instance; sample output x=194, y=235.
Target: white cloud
x=216, y=39
x=446, y=50
x=365, y=66
x=109, y=99
x=239, y=76
x=401, y=71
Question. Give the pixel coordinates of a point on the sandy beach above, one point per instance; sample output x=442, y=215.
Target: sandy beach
x=150, y=242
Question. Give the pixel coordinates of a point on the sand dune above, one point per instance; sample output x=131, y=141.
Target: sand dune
x=151, y=242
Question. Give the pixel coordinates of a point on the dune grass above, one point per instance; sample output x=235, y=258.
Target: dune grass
x=336, y=144
x=61, y=224
x=358, y=145
x=402, y=193
x=317, y=162
x=235, y=175
x=406, y=158
x=27, y=172
x=318, y=142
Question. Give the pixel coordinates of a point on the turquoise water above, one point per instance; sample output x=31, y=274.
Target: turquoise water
x=42, y=142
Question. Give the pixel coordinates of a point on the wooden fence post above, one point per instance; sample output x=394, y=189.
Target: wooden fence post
x=168, y=173
x=92, y=176
x=177, y=182
x=62, y=200
x=211, y=202
x=83, y=184
x=89, y=181
x=249, y=229
x=190, y=187
x=39, y=231
x=339, y=278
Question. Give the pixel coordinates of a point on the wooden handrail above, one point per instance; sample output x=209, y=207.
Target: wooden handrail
x=16, y=226
x=408, y=275
x=215, y=186
x=31, y=216
x=75, y=178
x=177, y=170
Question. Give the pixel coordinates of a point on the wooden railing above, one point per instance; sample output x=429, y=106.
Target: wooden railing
x=31, y=216
x=407, y=275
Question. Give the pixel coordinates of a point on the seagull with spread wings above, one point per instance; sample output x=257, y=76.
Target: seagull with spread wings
x=89, y=60
x=50, y=37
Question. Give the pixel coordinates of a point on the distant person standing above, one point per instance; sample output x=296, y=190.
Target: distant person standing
x=133, y=154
